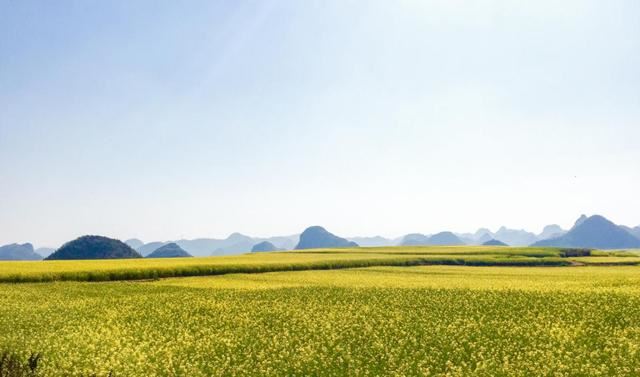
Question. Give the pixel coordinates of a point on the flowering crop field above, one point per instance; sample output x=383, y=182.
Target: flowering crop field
x=145, y=268
x=132, y=269
x=412, y=320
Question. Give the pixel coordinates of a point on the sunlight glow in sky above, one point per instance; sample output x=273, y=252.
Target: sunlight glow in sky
x=161, y=120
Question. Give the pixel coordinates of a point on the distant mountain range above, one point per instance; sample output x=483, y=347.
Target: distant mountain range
x=442, y=238
x=238, y=243
x=515, y=237
x=551, y=231
x=45, y=251
x=512, y=237
x=415, y=239
x=316, y=237
x=18, y=252
x=134, y=243
x=235, y=244
x=376, y=241
x=634, y=231
x=494, y=243
x=264, y=246
x=148, y=248
x=594, y=232
x=590, y=232
x=170, y=250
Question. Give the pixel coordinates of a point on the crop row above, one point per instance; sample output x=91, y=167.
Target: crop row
x=135, y=270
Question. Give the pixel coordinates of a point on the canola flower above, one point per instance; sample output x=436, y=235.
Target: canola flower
x=398, y=321
x=141, y=269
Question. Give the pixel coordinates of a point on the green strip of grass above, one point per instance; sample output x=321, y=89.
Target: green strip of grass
x=540, y=252
x=208, y=270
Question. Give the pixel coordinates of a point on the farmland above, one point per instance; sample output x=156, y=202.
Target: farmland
x=123, y=269
x=439, y=320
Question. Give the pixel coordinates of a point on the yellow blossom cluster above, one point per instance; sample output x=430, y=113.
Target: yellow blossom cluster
x=395, y=321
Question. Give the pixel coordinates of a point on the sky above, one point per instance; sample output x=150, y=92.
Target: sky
x=165, y=120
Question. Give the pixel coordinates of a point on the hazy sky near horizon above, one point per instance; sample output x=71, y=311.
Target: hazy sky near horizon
x=163, y=120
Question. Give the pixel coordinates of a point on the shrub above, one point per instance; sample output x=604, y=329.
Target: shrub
x=568, y=253
x=11, y=365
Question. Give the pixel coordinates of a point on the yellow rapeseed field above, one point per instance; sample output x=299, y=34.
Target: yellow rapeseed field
x=150, y=268
x=399, y=321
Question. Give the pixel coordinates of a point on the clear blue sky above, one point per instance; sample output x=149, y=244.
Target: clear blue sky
x=161, y=120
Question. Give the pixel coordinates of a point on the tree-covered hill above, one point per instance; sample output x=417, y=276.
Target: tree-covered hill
x=94, y=247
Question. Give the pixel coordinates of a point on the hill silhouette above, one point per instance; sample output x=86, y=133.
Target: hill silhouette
x=263, y=246
x=551, y=231
x=445, y=238
x=594, y=232
x=375, y=241
x=171, y=250
x=414, y=239
x=94, y=247
x=317, y=237
x=234, y=244
x=515, y=237
x=484, y=238
x=441, y=239
x=494, y=243
x=150, y=247
x=580, y=220
x=634, y=231
x=18, y=252
x=44, y=251
x=134, y=243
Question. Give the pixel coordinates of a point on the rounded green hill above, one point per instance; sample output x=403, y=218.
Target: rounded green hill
x=94, y=247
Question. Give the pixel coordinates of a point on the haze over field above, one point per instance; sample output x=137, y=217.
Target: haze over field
x=319, y=188
x=166, y=121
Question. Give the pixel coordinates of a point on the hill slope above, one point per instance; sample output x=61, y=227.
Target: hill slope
x=150, y=247
x=551, y=231
x=45, y=251
x=18, y=252
x=170, y=250
x=594, y=232
x=439, y=239
x=414, y=239
x=634, y=231
x=263, y=246
x=445, y=238
x=235, y=244
x=317, y=237
x=515, y=237
x=376, y=241
x=494, y=243
x=94, y=247
x=134, y=243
